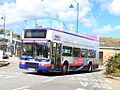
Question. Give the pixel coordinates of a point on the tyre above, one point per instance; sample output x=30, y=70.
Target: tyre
x=90, y=68
x=39, y=71
x=65, y=69
x=5, y=57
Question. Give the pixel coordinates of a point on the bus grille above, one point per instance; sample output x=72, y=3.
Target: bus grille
x=31, y=65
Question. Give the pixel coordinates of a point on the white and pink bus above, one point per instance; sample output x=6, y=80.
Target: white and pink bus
x=48, y=49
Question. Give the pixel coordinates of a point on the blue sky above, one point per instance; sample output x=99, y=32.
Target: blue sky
x=100, y=17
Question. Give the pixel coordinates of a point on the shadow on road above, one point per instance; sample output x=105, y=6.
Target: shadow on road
x=51, y=74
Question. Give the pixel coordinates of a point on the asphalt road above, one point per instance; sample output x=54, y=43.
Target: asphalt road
x=13, y=78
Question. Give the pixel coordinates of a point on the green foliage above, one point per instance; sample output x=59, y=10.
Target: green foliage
x=7, y=32
x=2, y=31
x=113, y=65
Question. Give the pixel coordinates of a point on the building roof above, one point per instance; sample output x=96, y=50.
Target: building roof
x=113, y=48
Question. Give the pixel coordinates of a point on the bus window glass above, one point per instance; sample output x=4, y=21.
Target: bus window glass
x=59, y=49
x=84, y=53
x=67, y=51
x=41, y=50
x=76, y=52
x=27, y=50
x=35, y=34
x=91, y=54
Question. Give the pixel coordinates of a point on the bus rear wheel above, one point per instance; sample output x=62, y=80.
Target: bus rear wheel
x=90, y=68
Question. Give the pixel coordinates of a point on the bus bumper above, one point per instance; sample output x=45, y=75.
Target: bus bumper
x=22, y=66
x=38, y=68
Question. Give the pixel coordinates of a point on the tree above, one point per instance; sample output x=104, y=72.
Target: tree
x=113, y=65
x=2, y=31
x=7, y=33
x=16, y=35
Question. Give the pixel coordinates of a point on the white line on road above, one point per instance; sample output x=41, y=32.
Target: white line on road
x=73, y=78
x=22, y=88
x=49, y=80
x=80, y=89
x=8, y=77
x=84, y=83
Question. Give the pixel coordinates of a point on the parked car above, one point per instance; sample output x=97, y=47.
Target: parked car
x=5, y=56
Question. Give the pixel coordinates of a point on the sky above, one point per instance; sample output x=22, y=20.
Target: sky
x=101, y=17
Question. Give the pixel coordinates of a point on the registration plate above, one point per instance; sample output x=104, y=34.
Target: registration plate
x=32, y=69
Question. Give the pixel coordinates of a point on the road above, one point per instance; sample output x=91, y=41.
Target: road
x=13, y=78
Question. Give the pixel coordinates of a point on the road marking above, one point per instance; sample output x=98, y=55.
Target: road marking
x=26, y=89
x=84, y=83
x=80, y=89
x=106, y=86
x=22, y=88
x=7, y=76
x=93, y=81
x=73, y=78
x=96, y=85
x=11, y=76
x=49, y=80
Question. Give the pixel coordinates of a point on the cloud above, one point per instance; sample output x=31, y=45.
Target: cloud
x=107, y=29
x=84, y=14
x=88, y=22
x=70, y=16
x=114, y=7
x=110, y=5
x=30, y=9
x=104, y=4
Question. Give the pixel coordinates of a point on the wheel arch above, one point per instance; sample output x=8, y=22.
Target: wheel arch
x=90, y=63
x=66, y=63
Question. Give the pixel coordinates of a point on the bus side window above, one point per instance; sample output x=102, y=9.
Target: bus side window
x=84, y=53
x=92, y=54
x=76, y=52
x=67, y=51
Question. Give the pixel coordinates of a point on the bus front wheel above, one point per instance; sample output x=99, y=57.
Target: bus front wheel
x=65, y=69
x=39, y=71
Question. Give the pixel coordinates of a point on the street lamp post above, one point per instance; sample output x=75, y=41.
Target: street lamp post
x=77, y=21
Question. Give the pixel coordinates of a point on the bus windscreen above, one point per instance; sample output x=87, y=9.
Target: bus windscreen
x=35, y=34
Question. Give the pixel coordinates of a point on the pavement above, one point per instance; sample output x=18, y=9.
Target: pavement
x=111, y=76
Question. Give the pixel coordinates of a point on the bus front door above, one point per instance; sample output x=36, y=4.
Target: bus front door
x=56, y=55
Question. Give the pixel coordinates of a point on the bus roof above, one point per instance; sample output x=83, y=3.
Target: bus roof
x=86, y=36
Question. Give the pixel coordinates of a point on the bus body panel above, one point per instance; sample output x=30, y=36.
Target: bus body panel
x=67, y=42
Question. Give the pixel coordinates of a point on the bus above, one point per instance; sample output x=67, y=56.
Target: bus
x=48, y=49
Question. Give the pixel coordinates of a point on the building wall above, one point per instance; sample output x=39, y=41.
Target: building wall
x=107, y=53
